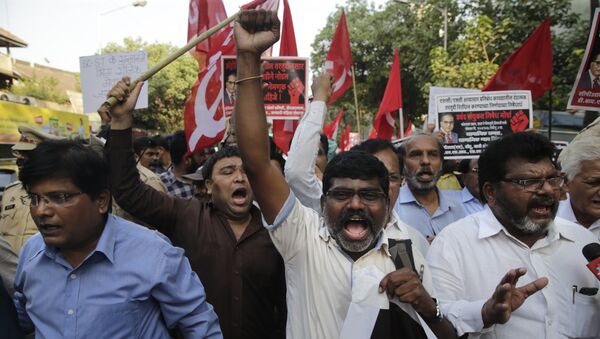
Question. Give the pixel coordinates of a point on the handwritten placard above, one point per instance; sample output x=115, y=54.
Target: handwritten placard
x=99, y=73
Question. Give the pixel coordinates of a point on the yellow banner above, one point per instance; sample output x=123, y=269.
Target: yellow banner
x=50, y=121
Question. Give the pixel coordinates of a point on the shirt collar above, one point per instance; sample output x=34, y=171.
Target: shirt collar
x=406, y=195
x=466, y=195
x=490, y=226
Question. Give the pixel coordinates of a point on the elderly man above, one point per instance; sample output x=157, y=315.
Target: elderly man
x=591, y=78
x=421, y=203
x=223, y=236
x=334, y=264
x=580, y=161
x=90, y=274
x=16, y=225
x=516, y=233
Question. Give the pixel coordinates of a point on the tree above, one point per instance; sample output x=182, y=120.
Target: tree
x=45, y=88
x=167, y=90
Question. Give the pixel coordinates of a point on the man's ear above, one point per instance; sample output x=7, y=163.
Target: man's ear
x=489, y=192
x=103, y=200
x=208, y=184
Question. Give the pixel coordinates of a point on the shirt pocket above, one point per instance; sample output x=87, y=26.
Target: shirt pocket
x=118, y=320
x=583, y=317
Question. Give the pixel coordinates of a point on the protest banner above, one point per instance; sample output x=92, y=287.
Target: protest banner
x=435, y=91
x=586, y=89
x=286, y=92
x=471, y=121
x=47, y=120
x=99, y=73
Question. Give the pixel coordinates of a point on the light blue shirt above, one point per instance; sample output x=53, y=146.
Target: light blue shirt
x=413, y=212
x=470, y=203
x=133, y=285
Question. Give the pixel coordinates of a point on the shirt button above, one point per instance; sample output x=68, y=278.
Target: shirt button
x=73, y=276
x=70, y=312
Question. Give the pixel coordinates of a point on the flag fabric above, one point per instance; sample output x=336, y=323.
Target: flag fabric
x=383, y=126
x=287, y=45
x=529, y=67
x=283, y=130
x=330, y=129
x=204, y=14
x=204, y=119
x=407, y=130
x=345, y=141
x=339, y=60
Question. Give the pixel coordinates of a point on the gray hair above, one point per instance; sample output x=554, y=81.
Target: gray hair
x=580, y=150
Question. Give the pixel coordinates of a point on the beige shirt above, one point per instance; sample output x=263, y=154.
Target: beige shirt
x=320, y=276
x=16, y=224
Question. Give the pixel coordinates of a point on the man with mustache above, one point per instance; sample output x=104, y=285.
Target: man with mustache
x=421, y=203
x=222, y=236
x=338, y=265
x=517, y=232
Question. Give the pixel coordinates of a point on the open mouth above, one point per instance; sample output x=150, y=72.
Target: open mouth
x=240, y=196
x=356, y=228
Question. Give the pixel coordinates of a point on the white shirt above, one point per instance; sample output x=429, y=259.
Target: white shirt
x=469, y=258
x=397, y=229
x=319, y=275
x=565, y=211
x=300, y=163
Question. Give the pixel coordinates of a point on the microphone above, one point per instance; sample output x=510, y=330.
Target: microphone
x=592, y=253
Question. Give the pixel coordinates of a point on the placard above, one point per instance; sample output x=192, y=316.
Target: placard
x=471, y=121
x=99, y=73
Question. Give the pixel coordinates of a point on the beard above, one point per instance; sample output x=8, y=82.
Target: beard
x=414, y=184
x=524, y=224
x=336, y=229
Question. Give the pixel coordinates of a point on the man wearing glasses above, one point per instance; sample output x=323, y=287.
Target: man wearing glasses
x=90, y=274
x=517, y=232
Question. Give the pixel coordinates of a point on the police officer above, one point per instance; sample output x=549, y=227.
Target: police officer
x=16, y=225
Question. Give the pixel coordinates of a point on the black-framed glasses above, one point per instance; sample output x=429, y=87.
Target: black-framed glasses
x=52, y=198
x=535, y=184
x=366, y=196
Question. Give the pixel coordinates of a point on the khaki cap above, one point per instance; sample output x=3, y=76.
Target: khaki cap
x=31, y=137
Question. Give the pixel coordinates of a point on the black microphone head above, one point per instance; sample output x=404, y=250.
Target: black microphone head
x=591, y=251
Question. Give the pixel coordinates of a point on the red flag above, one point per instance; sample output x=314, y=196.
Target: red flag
x=283, y=130
x=330, y=129
x=204, y=120
x=345, y=141
x=407, y=130
x=529, y=67
x=287, y=45
x=391, y=103
x=339, y=60
x=203, y=15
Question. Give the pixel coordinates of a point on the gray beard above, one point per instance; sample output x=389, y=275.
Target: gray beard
x=526, y=226
x=416, y=185
x=349, y=245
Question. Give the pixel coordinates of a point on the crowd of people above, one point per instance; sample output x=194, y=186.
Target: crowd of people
x=138, y=238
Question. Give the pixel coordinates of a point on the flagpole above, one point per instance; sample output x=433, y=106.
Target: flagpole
x=356, y=102
x=550, y=114
x=401, y=118
x=164, y=62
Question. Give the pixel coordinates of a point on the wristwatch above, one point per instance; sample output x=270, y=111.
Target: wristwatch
x=438, y=318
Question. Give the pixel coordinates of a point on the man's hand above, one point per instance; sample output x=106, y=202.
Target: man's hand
x=406, y=286
x=255, y=31
x=322, y=87
x=508, y=297
x=120, y=114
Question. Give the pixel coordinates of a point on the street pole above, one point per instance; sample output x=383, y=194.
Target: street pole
x=445, y=12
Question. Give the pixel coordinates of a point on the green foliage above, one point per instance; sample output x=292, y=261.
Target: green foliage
x=43, y=89
x=167, y=90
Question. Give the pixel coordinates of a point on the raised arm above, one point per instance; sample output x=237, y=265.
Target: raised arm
x=255, y=31
x=300, y=164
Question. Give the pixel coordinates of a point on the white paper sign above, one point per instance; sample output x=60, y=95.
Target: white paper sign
x=99, y=73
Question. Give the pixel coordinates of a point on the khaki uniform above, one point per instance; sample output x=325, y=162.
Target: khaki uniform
x=16, y=224
x=149, y=178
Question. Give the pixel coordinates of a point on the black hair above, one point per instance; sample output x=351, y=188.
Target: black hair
x=373, y=146
x=66, y=159
x=161, y=142
x=404, y=145
x=178, y=147
x=324, y=143
x=356, y=165
x=141, y=143
x=275, y=154
x=225, y=152
x=529, y=146
x=463, y=166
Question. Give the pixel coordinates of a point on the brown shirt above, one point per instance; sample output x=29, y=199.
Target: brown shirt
x=244, y=279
